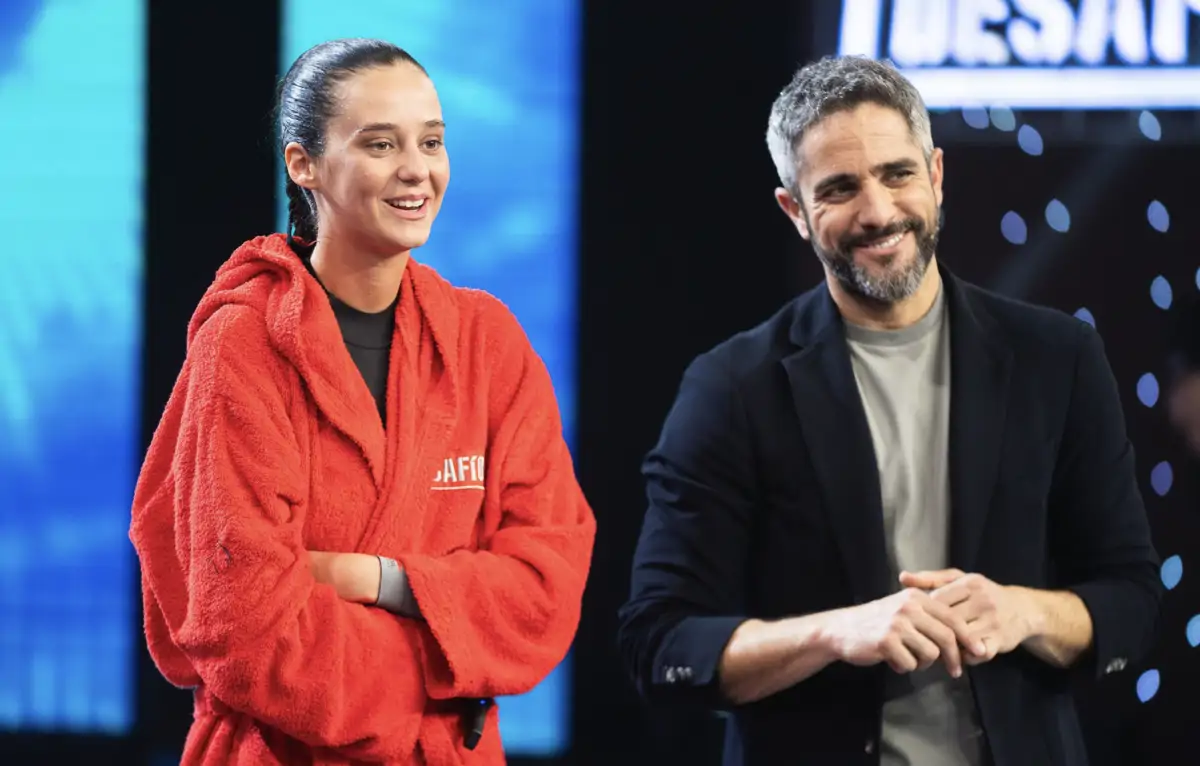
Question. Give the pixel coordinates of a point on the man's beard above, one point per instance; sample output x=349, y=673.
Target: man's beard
x=893, y=285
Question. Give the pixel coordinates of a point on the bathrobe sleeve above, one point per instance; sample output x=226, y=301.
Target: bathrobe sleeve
x=501, y=617
x=218, y=529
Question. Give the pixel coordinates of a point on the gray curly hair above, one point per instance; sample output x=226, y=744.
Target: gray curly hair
x=835, y=84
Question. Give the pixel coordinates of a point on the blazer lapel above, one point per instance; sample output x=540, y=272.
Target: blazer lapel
x=838, y=438
x=980, y=368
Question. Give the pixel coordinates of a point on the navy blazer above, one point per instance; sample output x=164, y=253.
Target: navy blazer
x=764, y=502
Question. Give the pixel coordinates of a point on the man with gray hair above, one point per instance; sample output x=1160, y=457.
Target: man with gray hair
x=889, y=524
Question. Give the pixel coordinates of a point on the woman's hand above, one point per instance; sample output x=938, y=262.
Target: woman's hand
x=355, y=576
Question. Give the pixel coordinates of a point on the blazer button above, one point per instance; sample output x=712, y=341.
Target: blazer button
x=870, y=747
x=671, y=675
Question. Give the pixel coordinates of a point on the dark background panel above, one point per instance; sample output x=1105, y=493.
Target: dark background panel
x=681, y=244
x=211, y=186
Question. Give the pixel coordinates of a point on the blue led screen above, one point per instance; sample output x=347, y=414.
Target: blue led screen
x=71, y=130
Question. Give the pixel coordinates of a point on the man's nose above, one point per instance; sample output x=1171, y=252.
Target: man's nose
x=876, y=208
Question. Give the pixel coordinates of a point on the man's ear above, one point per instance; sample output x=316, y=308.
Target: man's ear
x=792, y=208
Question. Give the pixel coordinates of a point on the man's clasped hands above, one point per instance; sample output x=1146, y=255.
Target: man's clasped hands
x=947, y=614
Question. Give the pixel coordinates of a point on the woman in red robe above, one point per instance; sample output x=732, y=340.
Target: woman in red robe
x=358, y=521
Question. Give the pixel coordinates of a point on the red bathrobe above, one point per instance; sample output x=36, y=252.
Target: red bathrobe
x=271, y=445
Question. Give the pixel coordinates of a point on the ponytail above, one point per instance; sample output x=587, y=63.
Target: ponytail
x=300, y=218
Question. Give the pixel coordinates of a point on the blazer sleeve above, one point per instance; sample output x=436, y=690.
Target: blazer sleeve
x=1099, y=532
x=502, y=616
x=218, y=529
x=687, y=585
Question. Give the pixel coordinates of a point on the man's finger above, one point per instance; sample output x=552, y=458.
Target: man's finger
x=990, y=643
x=945, y=638
x=921, y=646
x=957, y=623
x=930, y=580
x=973, y=609
x=951, y=594
x=897, y=655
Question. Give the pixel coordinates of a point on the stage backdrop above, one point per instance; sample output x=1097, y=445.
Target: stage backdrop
x=507, y=77
x=71, y=100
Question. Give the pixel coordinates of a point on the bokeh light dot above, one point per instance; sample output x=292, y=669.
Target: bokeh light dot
x=1158, y=216
x=1193, y=631
x=1160, y=292
x=1161, y=478
x=1147, y=389
x=1149, y=126
x=1058, y=216
x=1147, y=685
x=1086, y=316
x=1003, y=118
x=1012, y=226
x=1172, y=572
x=1030, y=140
x=975, y=117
